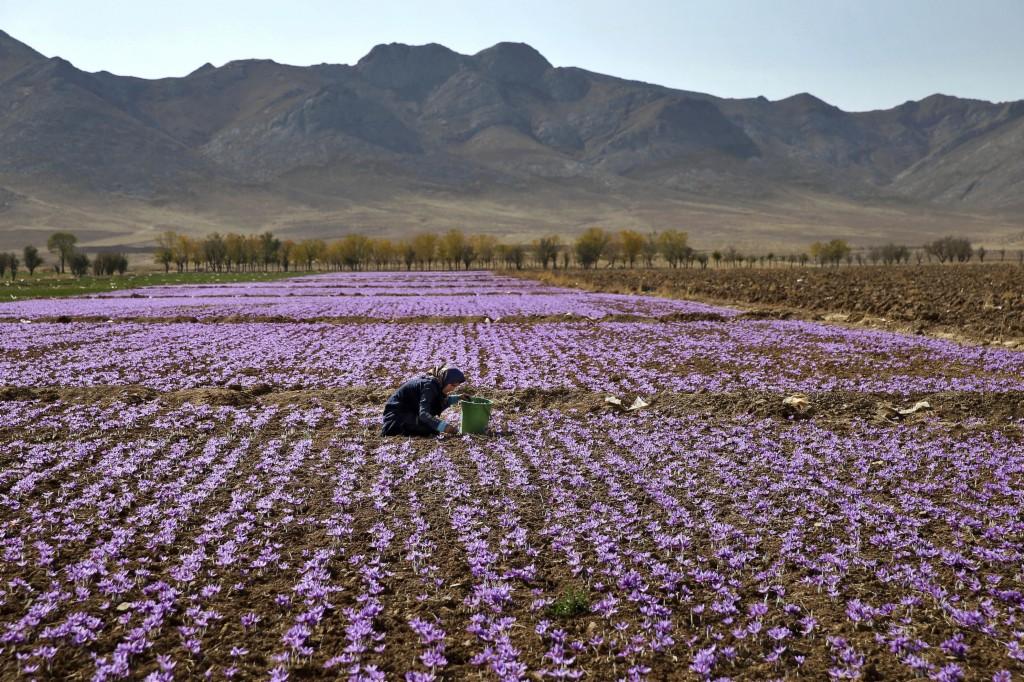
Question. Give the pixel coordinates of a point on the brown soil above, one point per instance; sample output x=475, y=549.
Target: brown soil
x=296, y=520
x=309, y=499
x=979, y=302
x=832, y=407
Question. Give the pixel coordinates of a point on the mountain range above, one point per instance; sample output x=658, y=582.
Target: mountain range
x=415, y=138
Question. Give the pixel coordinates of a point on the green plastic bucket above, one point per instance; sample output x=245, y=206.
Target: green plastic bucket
x=475, y=413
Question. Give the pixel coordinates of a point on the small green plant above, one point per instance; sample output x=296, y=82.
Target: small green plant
x=575, y=602
x=55, y=285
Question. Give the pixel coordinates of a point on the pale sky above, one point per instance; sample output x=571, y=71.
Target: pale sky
x=858, y=55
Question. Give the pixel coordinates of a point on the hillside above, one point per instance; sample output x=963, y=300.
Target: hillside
x=421, y=137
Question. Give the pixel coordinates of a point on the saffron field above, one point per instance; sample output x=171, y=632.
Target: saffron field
x=192, y=487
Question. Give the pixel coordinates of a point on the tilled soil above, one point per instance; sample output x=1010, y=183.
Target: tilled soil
x=253, y=527
x=976, y=301
x=994, y=409
x=566, y=496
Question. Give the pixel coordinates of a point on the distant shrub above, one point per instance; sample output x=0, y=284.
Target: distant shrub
x=889, y=254
x=32, y=259
x=832, y=252
x=673, y=247
x=79, y=264
x=590, y=246
x=546, y=249
x=950, y=249
x=109, y=263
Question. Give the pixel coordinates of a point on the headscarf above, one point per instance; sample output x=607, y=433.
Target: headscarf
x=447, y=375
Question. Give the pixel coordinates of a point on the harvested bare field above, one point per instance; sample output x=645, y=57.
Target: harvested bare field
x=981, y=302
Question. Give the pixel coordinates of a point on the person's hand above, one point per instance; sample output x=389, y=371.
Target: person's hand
x=465, y=393
x=450, y=429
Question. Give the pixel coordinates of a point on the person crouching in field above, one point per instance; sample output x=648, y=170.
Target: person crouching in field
x=414, y=409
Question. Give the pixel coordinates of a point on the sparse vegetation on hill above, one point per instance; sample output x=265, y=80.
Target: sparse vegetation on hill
x=421, y=137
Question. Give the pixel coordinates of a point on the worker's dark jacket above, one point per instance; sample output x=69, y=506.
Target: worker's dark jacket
x=414, y=408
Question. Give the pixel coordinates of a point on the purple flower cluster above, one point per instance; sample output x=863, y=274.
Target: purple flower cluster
x=374, y=295
x=286, y=540
x=645, y=357
x=718, y=541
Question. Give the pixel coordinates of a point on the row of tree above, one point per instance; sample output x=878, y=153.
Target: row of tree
x=451, y=250
x=69, y=258
x=238, y=252
x=628, y=247
x=64, y=245
x=455, y=250
x=9, y=262
x=948, y=249
x=109, y=264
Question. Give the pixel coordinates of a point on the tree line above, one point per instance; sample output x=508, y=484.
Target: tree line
x=64, y=246
x=9, y=262
x=239, y=252
x=456, y=250
x=452, y=250
x=945, y=250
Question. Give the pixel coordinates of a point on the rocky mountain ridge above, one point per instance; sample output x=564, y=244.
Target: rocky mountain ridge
x=421, y=121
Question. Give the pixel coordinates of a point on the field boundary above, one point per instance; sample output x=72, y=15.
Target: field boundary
x=990, y=312
x=954, y=407
x=366, y=319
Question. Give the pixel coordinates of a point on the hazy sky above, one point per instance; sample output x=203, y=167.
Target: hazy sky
x=859, y=55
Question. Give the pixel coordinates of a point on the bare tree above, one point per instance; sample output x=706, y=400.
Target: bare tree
x=62, y=244
x=32, y=259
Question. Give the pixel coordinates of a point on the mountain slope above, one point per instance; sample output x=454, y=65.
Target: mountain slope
x=421, y=136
